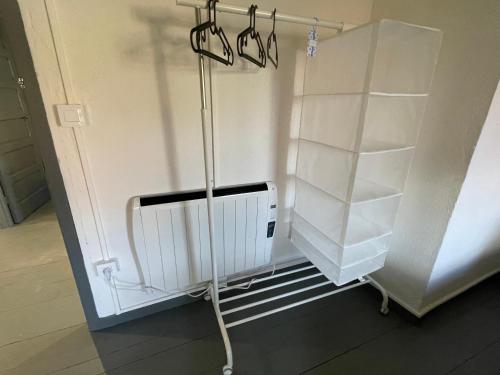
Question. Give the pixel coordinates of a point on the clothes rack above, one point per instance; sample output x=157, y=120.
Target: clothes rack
x=296, y=275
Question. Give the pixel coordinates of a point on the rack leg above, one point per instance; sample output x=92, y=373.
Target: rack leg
x=228, y=368
x=384, y=309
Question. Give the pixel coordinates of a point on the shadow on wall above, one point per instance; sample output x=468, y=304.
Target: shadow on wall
x=166, y=43
x=166, y=47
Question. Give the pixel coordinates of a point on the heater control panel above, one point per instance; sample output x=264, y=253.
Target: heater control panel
x=272, y=213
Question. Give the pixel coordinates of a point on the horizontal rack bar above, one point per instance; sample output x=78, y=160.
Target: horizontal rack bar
x=275, y=286
x=262, y=279
x=295, y=304
x=370, y=93
x=283, y=17
x=280, y=296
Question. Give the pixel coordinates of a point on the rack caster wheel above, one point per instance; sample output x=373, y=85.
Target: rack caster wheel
x=206, y=297
x=227, y=370
x=384, y=310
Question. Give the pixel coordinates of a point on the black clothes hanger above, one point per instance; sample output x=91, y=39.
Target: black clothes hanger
x=242, y=41
x=200, y=36
x=270, y=40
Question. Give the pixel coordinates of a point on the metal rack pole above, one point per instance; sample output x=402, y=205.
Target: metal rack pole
x=213, y=288
x=283, y=17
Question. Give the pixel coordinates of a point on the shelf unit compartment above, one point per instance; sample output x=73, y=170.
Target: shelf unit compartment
x=325, y=167
x=405, y=58
x=331, y=119
x=345, y=224
x=320, y=209
x=339, y=275
x=380, y=175
x=341, y=256
x=325, y=245
x=342, y=64
x=391, y=122
x=369, y=220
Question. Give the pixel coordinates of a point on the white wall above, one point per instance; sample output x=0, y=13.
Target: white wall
x=471, y=246
x=466, y=76
x=129, y=62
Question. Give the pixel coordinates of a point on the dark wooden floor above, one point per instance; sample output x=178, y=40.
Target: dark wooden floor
x=342, y=334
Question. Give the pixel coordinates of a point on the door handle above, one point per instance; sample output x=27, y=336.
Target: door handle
x=20, y=82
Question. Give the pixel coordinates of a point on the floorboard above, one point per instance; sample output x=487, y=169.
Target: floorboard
x=486, y=362
x=47, y=353
x=437, y=344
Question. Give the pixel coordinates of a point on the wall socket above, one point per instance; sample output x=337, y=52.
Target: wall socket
x=102, y=264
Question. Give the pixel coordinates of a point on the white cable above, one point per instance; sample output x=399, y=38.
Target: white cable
x=114, y=282
x=250, y=283
x=245, y=287
x=197, y=295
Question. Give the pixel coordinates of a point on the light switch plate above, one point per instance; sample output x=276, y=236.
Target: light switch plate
x=71, y=115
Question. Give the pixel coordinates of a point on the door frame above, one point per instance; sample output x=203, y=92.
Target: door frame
x=5, y=215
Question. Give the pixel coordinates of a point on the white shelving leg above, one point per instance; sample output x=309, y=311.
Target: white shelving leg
x=384, y=309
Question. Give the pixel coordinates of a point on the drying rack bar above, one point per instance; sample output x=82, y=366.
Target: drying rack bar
x=259, y=280
x=275, y=286
x=284, y=295
x=291, y=305
x=283, y=17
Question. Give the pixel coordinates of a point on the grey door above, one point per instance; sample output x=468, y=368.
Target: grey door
x=21, y=171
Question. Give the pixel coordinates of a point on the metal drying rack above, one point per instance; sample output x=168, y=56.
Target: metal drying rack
x=314, y=278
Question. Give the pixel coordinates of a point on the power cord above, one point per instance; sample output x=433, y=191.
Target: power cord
x=114, y=283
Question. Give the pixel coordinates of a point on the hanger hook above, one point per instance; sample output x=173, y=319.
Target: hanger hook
x=274, y=19
x=212, y=14
x=273, y=40
x=252, y=10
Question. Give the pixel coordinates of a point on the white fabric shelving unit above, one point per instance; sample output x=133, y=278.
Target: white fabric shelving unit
x=364, y=98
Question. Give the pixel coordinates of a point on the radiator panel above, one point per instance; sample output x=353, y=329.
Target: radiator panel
x=172, y=239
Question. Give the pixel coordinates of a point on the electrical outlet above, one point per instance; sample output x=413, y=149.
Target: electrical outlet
x=109, y=263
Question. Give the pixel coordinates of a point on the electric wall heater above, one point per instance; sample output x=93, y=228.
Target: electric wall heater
x=172, y=240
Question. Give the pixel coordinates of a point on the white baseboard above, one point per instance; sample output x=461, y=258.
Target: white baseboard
x=420, y=312
x=425, y=309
